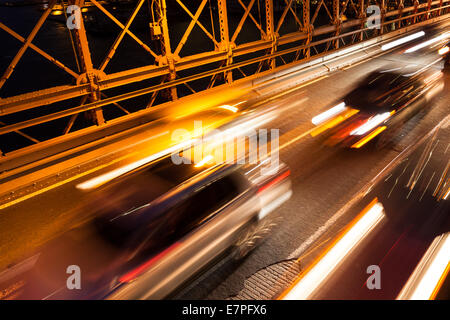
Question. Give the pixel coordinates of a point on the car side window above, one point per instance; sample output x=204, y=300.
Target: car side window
x=187, y=215
x=206, y=201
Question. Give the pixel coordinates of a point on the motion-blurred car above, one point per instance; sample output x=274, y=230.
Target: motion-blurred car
x=157, y=227
x=377, y=108
x=444, y=51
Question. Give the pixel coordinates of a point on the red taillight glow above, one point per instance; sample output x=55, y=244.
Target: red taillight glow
x=269, y=184
x=133, y=274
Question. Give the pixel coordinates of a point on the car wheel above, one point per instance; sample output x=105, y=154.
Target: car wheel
x=252, y=237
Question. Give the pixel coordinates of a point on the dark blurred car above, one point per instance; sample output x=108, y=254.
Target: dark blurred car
x=156, y=228
x=377, y=108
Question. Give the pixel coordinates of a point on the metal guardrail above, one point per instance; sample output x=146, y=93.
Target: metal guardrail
x=170, y=73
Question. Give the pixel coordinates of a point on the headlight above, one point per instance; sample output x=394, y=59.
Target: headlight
x=370, y=124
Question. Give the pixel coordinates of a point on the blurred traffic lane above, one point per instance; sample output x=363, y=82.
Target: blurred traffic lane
x=415, y=214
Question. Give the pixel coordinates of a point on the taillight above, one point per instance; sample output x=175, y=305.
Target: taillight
x=275, y=180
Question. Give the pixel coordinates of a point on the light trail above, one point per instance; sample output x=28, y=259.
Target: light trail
x=104, y=178
x=329, y=113
x=426, y=280
x=403, y=40
x=427, y=43
x=333, y=256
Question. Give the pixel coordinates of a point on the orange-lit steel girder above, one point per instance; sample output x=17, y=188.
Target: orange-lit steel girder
x=167, y=57
x=220, y=56
x=307, y=26
x=271, y=35
x=90, y=75
x=362, y=18
x=225, y=45
x=336, y=21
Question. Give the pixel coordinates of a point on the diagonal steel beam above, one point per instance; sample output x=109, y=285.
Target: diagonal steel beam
x=283, y=16
x=120, y=24
x=213, y=39
x=117, y=42
x=10, y=69
x=241, y=23
x=353, y=6
x=321, y=4
x=295, y=16
x=194, y=20
x=327, y=10
x=253, y=19
x=22, y=134
x=344, y=8
x=313, y=19
x=40, y=51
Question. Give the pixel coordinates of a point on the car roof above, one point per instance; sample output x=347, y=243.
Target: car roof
x=373, y=92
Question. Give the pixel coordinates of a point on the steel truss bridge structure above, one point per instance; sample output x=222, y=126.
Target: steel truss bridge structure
x=222, y=41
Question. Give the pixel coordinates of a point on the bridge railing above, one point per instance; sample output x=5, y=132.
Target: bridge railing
x=186, y=47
